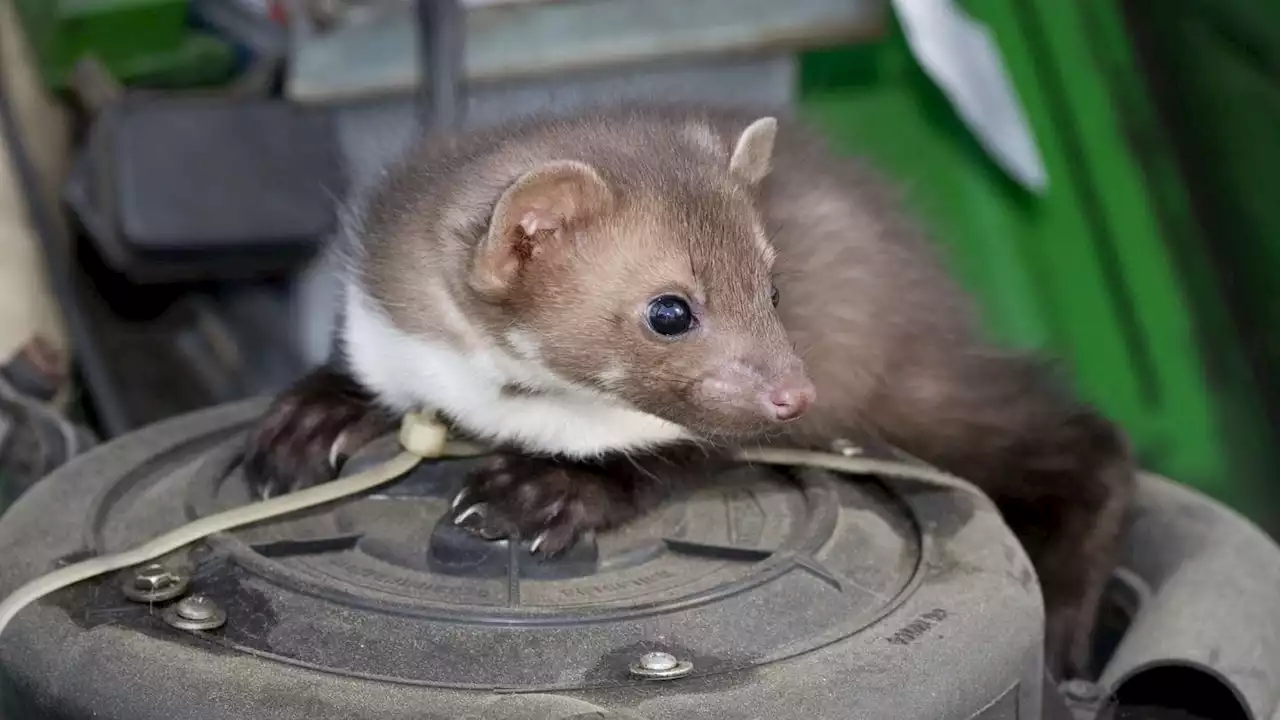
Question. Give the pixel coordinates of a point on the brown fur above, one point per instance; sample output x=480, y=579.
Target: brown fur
x=886, y=337
x=679, y=223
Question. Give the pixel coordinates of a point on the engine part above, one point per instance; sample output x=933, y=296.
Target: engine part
x=764, y=594
x=171, y=189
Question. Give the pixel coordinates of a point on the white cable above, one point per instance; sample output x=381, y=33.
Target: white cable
x=422, y=437
x=854, y=465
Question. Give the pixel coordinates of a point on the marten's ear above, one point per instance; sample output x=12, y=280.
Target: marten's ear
x=753, y=154
x=535, y=218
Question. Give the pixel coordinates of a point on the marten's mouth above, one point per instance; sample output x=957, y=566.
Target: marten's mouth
x=735, y=431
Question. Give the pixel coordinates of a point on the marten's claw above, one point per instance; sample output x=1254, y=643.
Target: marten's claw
x=307, y=432
x=477, y=510
x=458, y=499
x=522, y=497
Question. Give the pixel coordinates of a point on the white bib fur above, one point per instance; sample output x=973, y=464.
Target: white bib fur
x=408, y=373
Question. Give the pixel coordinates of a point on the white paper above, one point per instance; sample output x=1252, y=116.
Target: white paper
x=958, y=53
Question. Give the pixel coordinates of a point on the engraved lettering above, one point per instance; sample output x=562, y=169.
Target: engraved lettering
x=637, y=583
x=918, y=628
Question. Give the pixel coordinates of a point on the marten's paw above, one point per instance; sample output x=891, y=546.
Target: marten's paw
x=307, y=431
x=549, y=504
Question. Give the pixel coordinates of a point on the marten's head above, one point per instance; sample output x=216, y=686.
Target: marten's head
x=635, y=273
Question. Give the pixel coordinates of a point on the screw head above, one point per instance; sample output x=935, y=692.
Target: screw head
x=197, y=607
x=155, y=583
x=660, y=666
x=195, y=613
x=658, y=661
x=153, y=576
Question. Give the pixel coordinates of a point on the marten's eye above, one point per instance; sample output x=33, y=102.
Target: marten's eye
x=670, y=315
x=774, y=296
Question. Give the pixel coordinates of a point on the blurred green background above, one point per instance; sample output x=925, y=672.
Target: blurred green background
x=1147, y=265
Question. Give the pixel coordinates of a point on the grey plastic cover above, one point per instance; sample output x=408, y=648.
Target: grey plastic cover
x=813, y=597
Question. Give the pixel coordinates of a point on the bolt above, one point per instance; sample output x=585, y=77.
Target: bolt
x=155, y=583
x=153, y=577
x=658, y=661
x=195, y=613
x=660, y=666
x=197, y=607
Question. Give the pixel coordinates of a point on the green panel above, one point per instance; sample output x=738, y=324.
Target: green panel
x=1216, y=67
x=889, y=112
x=1086, y=271
x=1100, y=228
x=136, y=40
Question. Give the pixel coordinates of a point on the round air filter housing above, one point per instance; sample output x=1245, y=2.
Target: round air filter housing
x=763, y=594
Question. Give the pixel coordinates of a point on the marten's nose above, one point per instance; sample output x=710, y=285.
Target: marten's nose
x=790, y=401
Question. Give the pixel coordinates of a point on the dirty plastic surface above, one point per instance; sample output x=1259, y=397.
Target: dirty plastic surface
x=812, y=597
x=807, y=597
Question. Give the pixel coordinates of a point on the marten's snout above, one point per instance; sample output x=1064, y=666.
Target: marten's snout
x=790, y=400
x=745, y=396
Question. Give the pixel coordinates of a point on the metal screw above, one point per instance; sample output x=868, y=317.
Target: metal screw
x=196, y=608
x=153, y=577
x=195, y=613
x=658, y=661
x=155, y=583
x=660, y=666
x=1081, y=691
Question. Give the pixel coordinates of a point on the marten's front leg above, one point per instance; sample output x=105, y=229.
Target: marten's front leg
x=296, y=443
x=553, y=502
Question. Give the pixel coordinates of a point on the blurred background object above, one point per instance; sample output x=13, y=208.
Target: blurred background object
x=36, y=435
x=1100, y=179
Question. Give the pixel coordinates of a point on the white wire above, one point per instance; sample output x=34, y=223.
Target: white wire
x=422, y=437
